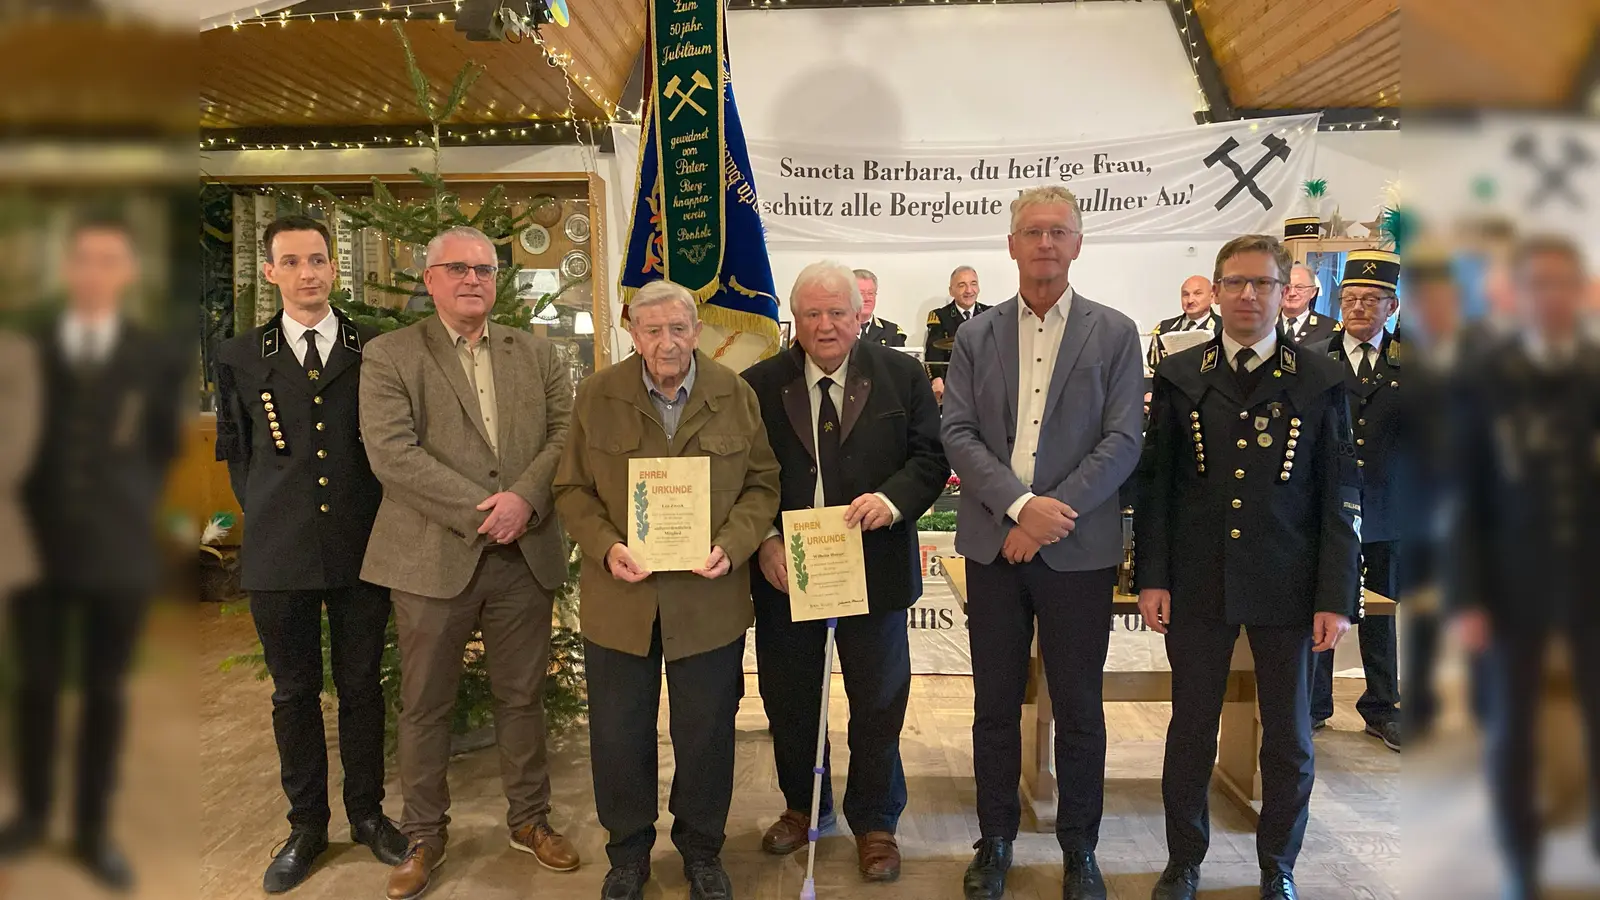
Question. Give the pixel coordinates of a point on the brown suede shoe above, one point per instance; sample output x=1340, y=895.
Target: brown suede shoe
x=788, y=834
x=553, y=851
x=411, y=878
x=879, y=856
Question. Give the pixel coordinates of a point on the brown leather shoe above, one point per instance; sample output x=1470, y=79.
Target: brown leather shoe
x=788, y=834
x=411, y=878
x=553, y=851
x=879, y=856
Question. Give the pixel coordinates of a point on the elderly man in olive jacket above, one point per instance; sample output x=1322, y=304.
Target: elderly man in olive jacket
x=668, y=400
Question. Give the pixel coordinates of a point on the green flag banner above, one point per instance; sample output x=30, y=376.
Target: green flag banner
x=687, y=90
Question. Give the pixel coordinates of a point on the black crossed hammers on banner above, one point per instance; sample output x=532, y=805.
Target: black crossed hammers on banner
x=1277, y=148
x=1555, y=177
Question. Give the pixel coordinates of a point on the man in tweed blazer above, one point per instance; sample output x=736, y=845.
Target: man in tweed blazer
x=464, y=422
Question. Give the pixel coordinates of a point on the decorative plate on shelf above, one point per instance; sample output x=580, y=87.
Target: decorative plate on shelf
x=546, y=210
x=575, y=264
x=577, y=227
x=535, y=239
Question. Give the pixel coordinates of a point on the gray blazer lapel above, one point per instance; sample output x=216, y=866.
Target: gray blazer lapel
x=1005, y=350
x=444, y=354
x=1081, y=322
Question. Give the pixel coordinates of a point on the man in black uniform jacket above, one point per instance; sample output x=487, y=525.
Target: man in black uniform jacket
x=943, y=323
x=1249, y=500
x=873, y=329
x=111, y=430
x=1370, y=359
x=1527, y=531
x=1197, y=297
x=287, y=425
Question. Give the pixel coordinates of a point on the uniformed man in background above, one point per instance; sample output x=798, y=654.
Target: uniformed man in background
x=1301, y=324
x=1370, y=358
x=1249, y=499
x=288, y=427
x=944, y=321
x=873, y=329
x=1196, y=297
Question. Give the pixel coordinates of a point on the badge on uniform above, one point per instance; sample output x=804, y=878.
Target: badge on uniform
x=1261, y=424
x=1209, y=361
x=1276, y=409
x=1264, y=439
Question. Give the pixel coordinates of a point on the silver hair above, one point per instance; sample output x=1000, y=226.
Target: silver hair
x=959, y=269
x=829, y=276
x=658, y=292
x=1044, y=194
x=867, y=274
x=459, y=231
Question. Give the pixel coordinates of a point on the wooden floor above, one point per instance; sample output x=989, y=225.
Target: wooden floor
x=1351, y=850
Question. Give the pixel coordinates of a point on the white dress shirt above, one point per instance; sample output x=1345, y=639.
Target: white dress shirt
x=1194, y=324
x=327, y=331
x=1353, y=351
x=1038, y=345
x=86, y=342
x=1264, y=349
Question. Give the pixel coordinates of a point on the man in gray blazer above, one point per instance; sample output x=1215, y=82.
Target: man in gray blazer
x=464, y=421
x=1042, y=443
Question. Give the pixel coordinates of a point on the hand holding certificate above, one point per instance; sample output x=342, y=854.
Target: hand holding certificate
x=670, y=528
x=827, y=569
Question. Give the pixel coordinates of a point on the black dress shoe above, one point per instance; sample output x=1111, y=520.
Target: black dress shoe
x=1278, y=886
x=1388, y=732
x=1177, y=882
x=104, y=863
x=986, y=874
x=707, y=880
x=380, y=836
x=20, y=836
x=292, y=863
x=1081, y=878
x=626, y=882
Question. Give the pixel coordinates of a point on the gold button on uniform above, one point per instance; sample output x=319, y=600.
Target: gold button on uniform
x=1361, y=442
x=322, y=454
x=323, y=481
x=1233, y=534
x=1244, y=414
x=1238, y=473
x=281, y=445
x=1361, y=421
x=323, y=507
x=317, y=400
x=1243, y=443
x=1237, y=503
x=1361, y=464
x=321, y=427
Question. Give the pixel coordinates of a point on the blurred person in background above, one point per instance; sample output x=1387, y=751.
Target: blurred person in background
x=112, y=427
x=1529, y=426
x=873, y=329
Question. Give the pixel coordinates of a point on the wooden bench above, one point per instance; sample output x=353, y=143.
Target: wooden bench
x=1239, y=738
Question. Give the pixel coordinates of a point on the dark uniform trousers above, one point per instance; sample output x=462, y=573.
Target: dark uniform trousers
x=624, y=703
x=289, y=624
x=875, y=656
x=1073, y=610
x=1380, y=700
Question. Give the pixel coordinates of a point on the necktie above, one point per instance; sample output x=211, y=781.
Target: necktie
x=1365, y=371
x=828, y=429
x=1241, y=362
x=313, y=360
x=1292, y=324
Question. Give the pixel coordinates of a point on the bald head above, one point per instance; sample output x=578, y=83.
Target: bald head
x=1197, y=296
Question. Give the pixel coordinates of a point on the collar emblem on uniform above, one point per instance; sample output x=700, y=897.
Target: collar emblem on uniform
x=1286, y=358
x=1209, y=362
x=269, y=342
x=1393, y=352
x=827, y=426
x=1312, y=320
x=350, y=337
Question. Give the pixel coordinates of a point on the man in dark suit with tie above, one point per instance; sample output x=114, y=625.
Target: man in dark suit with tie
x=1249, y=500
x=288, y=425
x=1370, y=359
x=112, y=425
x=1196, y=297
x=873, y=329
x=853, y=424
x=1301, y=323
x=943, y=323
x=1042, y=422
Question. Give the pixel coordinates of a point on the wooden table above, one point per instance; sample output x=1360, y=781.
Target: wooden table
x=1238, y=741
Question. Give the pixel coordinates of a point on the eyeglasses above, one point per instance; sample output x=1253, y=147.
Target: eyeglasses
x=1368, y=301
x=1057, y=235
x=1234, y=284
x=459, y=270
x=1300, y=287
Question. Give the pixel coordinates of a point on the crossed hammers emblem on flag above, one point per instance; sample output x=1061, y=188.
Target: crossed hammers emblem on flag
x=674, y=88
x=1277, y=148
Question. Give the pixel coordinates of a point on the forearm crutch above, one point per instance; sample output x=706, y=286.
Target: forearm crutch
x=809, y=890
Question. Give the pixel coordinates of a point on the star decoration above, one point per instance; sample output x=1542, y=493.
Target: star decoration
x=1337, y=225
x=1373, y=226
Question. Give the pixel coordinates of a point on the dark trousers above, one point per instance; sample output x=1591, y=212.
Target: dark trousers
x=107, y=625
x=1074, y=614
x=1380, y=700
x=875, y=656
x=1201, y=652
x=624, y=700
x=290, y=626
x=1514, y=673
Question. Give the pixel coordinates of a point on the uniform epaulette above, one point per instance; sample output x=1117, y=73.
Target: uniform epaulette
x=933, y=317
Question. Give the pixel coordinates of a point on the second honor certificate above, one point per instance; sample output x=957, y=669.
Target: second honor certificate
x=670, y=529
x=827, y=571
